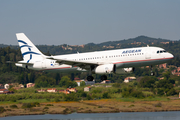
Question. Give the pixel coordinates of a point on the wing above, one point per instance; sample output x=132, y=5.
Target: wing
x=82, y=64
x=75, y=63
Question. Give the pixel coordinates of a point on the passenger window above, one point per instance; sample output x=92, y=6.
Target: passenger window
x=161, y=51
x=157, y=51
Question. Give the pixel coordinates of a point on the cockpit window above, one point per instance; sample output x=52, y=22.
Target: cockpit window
x=161, y=51
x=164, y=51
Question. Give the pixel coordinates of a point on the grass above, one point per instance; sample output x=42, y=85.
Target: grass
x=156, y=99
x=32, y=100
x=94, y=106
x=24, y=101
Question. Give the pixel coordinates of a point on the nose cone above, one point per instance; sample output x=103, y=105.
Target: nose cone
x=171, y=56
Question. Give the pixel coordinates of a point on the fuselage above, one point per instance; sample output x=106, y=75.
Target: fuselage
x=122, y=58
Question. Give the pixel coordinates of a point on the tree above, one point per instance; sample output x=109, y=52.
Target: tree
x=166, y=75
x=82, y=83
x=171, y=92
x=148, y=81
x=57, y=78
x=63, y=81
x=44, y=81
x=106, y=95
x=164, y=84
x=66, y=82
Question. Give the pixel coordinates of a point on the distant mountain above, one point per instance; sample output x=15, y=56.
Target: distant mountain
x=142, y=39
x=12, y=46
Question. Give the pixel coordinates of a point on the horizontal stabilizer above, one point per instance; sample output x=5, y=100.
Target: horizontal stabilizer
x=20, y=62
x=24, y=62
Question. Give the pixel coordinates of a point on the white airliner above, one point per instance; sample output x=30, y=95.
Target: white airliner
x=100, y=62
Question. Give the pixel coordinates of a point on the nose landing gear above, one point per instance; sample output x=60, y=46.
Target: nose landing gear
x=152, y=73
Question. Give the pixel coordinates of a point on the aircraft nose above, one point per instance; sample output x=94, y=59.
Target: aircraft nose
x=171, y=55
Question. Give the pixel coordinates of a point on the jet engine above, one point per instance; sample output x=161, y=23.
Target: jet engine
x=111, y=68
x=104, y=69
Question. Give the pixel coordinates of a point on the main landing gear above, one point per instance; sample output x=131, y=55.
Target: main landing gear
x=90, y=78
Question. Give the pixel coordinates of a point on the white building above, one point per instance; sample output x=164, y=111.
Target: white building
x=87, y=89
x=106, y=81
x=128, y=79
x=52, y=90
x=79, y=82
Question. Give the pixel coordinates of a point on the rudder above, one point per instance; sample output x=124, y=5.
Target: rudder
x=28, y=49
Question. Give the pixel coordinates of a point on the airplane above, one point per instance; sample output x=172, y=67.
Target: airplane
x=118, y=61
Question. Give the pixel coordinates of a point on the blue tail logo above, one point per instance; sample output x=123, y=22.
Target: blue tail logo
x=28, y=52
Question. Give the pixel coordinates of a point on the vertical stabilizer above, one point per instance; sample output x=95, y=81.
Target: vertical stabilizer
x=28, y=49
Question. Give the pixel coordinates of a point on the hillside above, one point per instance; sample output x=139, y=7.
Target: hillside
x=142, y=39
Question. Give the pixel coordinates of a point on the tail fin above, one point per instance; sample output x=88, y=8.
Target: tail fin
x=28, y=49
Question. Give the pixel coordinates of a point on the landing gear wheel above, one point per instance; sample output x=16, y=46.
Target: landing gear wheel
x=152, y=73
x=90, y=78
x=103, y=77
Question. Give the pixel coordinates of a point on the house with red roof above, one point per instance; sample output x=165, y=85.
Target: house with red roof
x=52, y=90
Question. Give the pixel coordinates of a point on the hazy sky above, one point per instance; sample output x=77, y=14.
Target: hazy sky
x=76, y=22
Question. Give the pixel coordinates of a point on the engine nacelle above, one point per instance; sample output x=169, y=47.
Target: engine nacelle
x=124, y=70
x=104, y=69
x=111, y=68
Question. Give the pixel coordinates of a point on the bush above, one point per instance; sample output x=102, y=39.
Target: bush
x=171, y=92
x=89, y=97
x=71, y=97
x=30, y=105
x=106, y=95
x=2, y=109
x=137, y=94
x=131, y=92
x=13, y=100
x=49, y=105
x=158, y=104
x=45, y=108
x=27, y=105
x=35, y=104
x=118, y=85
x=56, y=99
x=13, y=106
x=160, y=91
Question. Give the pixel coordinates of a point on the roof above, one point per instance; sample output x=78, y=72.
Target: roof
x=107, y=80
x=52, y=89
x=76, y=78
x=88, y=87
x=78, y=81
x=41, y=90
x=2, y=89
x=71, y=88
